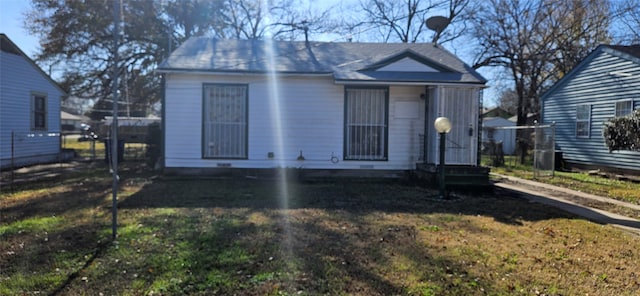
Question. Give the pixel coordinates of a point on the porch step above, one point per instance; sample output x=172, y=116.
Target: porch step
x=456, y=175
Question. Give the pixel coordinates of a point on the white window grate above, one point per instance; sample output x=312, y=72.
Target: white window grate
x=366, y=124
x=225, y=121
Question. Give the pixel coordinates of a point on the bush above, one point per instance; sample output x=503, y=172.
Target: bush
x=623, y=133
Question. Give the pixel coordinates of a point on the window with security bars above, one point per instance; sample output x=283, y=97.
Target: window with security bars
x=225, y=121
x=38, y=112
x=624, y=108
x=366, y=124
x=583, y=120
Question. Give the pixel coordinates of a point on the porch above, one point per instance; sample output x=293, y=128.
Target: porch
x=455, y=175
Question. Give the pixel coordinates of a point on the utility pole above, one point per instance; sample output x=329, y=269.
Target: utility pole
x=114, y=123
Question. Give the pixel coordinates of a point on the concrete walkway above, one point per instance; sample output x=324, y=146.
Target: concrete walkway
x=569, y=200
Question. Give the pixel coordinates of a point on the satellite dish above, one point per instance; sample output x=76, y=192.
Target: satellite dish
x=437, y=23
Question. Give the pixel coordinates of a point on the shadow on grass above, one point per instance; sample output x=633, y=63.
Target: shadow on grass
x=77, y=196
x=349, y=195
x=326, y=258
x=251, y=251
x=221, y=236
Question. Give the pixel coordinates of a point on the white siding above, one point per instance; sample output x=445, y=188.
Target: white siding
x=311, y=120
x=18, y=80
x=408, y=65
x=506, y=136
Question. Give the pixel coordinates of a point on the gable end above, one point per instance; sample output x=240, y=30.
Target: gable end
x=427, y=64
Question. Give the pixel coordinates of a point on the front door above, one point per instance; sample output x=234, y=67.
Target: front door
x=460, y=105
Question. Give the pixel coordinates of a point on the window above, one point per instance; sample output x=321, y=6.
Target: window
x=225, y=121
x=624, y=108
x=366, y=124
x=583, y=120
x=38, y=112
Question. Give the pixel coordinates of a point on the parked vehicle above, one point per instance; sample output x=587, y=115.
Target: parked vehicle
x=87, y=133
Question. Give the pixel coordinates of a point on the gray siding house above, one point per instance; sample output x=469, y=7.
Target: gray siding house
x=258, y=104
x=29, y=110
x=604, y=85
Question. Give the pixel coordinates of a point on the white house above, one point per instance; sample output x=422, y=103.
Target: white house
x=497, y=129
x=316, y=105
x=70, y=122
x=29, y=109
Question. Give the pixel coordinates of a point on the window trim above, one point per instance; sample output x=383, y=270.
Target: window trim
x=33, y=111
x=587, y=120
x=204, y=120
x=345, y=154
x=615, y=107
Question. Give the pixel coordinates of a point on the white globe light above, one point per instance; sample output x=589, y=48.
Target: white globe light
x=442, y=125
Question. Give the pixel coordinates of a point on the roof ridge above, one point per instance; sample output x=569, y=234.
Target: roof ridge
x=342, y=59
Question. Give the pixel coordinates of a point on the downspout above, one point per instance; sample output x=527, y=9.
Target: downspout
x=163, y=121
x=479, y=129
x=425, y=141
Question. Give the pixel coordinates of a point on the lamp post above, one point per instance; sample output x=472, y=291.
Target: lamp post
x=443, y=126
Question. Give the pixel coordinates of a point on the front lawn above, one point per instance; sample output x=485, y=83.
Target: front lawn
x=246, y=236
x=623, y=190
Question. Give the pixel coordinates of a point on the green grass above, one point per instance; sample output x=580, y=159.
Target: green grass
x=216, y=236
x=581, y=181
x=30, y=225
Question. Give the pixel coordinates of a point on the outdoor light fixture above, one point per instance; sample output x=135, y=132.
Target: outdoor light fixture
x=443, y=126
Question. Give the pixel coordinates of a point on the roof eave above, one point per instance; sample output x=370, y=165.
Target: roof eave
x=240, y=73
x=409, y=83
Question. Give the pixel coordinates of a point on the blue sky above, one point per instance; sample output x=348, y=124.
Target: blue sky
x=11, y=16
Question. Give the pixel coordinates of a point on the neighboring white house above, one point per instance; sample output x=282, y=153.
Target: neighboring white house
x=29, y=109
x=493, y=128
x=130, y=129
x=71, y=123
x=316, y=105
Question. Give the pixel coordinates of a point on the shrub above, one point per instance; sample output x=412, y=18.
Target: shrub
x=623, y=133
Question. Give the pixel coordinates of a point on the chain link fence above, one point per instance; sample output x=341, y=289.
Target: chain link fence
x=530, y=148
x=18, y=148
x=31, y=156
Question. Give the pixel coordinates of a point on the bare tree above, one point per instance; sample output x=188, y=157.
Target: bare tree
x=195, y=18
x=301, y=21
x=537, y=41
x=508, y=100
x=459, y=14
x=279, y=19
x=628, y=12
x=577, y=33
x=245, y=19
x=404, y=21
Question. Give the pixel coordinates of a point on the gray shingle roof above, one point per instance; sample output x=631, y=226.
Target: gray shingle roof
x=633, y=50
x=345, y=61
